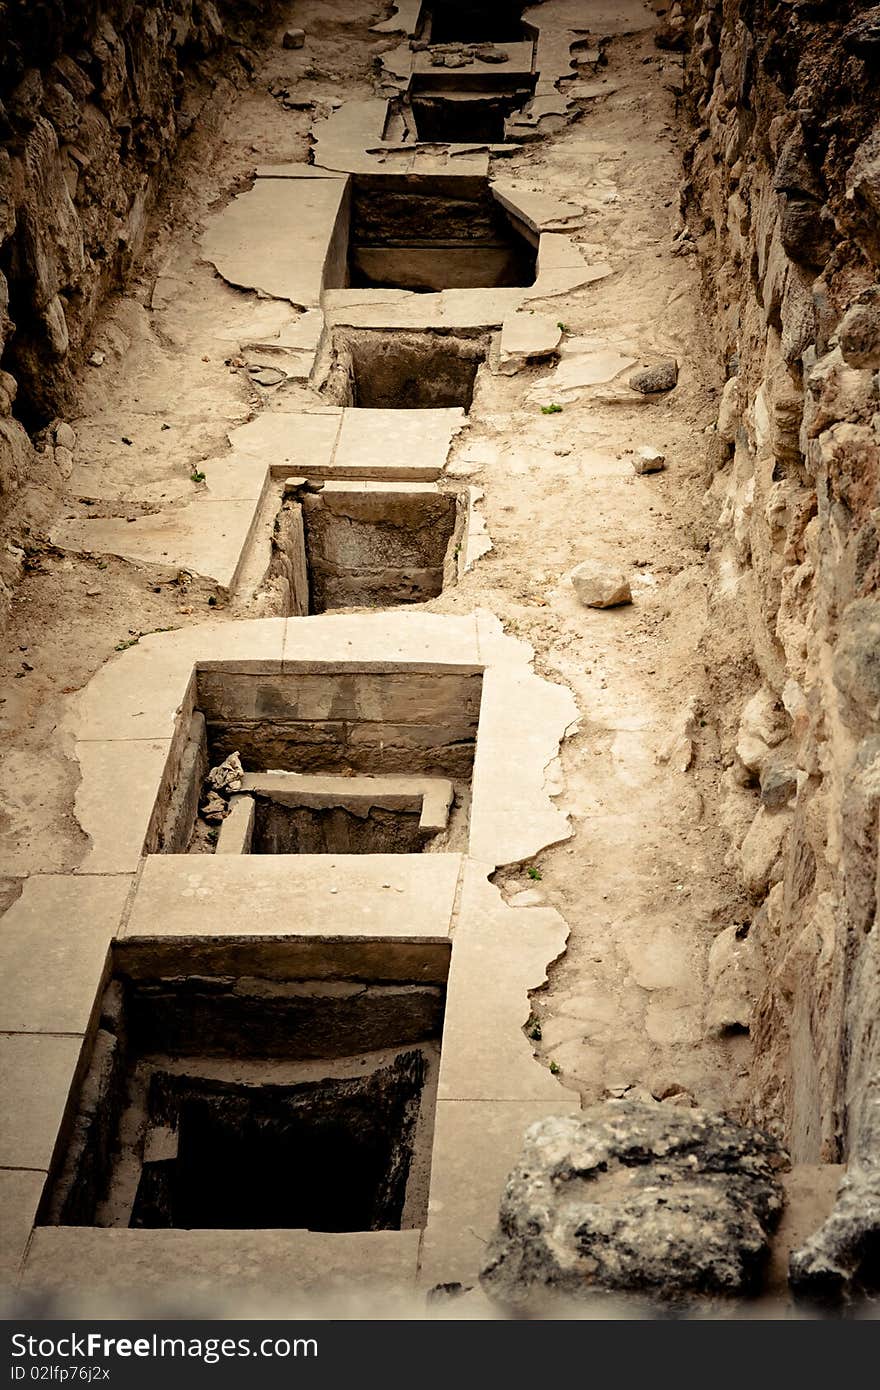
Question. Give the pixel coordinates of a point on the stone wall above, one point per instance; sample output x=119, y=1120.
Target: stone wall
x=782, y=204
x=95, y=96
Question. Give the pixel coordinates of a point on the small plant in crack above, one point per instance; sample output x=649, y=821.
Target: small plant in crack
x=562, y=326
x=534, y=874
x=125, y=642
x=555, y=1068
x=552, y=409
x=197, y=476
x=533, y=1028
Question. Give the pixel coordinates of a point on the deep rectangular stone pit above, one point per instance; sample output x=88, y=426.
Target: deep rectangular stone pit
x=249, y=1102
x=465, y=114
x=364, y=546
x=402, y=370
x=474, y=21
x=353, y=762
x=425, y=233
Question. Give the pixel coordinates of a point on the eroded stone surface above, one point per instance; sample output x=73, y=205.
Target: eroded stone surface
x=635, y=1197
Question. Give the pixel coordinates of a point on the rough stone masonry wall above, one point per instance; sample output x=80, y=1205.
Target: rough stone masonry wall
x=782, y=203
x=94, y=99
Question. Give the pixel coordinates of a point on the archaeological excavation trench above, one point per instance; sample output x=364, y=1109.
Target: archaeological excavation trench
x=439, y=464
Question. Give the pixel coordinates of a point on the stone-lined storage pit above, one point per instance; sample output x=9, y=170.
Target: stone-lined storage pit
x=473, y=110
x=360, y=762
x=257, y=1094
x=475, y=21
x=292, y=813
x=376, y=369
x=426, y=233
x=364, y=545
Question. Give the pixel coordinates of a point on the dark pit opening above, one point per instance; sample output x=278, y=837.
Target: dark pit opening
x=280, y=829
x=377, y=370
x=324, y=1156
x=423, y=233
x=464, y=117
x=392, y=751
x=237, y=1100
x=476, y=21
x=336, y=547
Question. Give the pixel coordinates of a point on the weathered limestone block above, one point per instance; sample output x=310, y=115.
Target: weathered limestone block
x=859, y=334
x=635, y=1197
x=763, y=725
x=736, y=974
x=598, y=587
x=762, y=848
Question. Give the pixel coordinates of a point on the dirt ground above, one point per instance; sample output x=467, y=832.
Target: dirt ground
x=642, y=883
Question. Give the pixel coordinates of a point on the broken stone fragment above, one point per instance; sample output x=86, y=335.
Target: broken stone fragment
x=761, y=848
x=678, y=749
x=859, y=335
x=652, y=380
x=763, y=724
x=64, y=435
x=488, y=53
x=214, y=808
x=268, y=376
x=664, y=1200
x=227, y=777
x=293, y=38
x=779, y=783
x=735, y=978
x=597, y=587
x=526, y=338
x=649, y=460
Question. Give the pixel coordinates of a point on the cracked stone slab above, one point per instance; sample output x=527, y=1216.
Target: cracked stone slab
x=537, y=210
x=276, y=238
x=582, y=364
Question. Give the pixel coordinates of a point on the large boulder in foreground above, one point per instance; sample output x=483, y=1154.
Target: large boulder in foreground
x=636, y=1198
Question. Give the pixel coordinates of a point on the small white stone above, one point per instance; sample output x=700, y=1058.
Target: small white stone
x=597, y=587
x=649, y=460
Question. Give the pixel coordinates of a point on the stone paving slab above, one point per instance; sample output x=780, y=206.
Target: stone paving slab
x=476, y=1144
x=537, y=210
x=189, y=1264
x=486, y=1055
x=389, y=444
x=138, y=695
x=54, y=944
x=20, y=1193
x=208, y=537
x=382, y=642
x=296, y=218
x=116, y=800
x=343, y=442
x=293, y=895
x=37, y=1071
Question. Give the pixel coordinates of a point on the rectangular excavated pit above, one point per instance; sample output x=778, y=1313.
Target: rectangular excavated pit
x=475, y=21
x=253, y=1101
x=336, y=762
x=381, y=370
x=365, y=546
x=464, y=117
x=425, y=233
